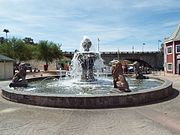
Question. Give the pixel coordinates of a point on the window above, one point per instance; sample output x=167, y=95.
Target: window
x=169, y=68
x=178, y=48
x=169, y=50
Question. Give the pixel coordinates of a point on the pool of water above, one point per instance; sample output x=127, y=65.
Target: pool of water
x=71, y=86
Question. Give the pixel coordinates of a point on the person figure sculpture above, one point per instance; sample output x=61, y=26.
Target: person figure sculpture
x=19, y=79
x=122, y=84
x=119, y=80
x=138, y=71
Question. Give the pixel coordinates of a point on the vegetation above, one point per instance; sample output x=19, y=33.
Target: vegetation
x=16, y=49
x=6, y=31
x=48, y=51
x=28, y=40
x=23, y=49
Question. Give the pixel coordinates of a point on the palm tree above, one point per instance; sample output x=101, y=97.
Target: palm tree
x=6, y=31
x=48, y=51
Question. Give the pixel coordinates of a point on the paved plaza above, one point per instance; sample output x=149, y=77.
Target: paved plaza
x=162, y=118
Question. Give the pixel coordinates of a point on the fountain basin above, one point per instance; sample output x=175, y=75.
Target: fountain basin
x=90, y=101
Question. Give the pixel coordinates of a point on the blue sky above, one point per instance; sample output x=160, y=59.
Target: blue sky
x=119, y=24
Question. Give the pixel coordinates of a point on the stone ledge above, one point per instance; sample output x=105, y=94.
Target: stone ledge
x=97, y=101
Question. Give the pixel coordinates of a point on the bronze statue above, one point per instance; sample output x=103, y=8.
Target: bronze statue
x=119, y=80
x=19, y=79
x=116, y=71
x=122, y=84
x=138, y=71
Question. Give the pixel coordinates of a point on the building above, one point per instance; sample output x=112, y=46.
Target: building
x=172, y=52
x=6, y=67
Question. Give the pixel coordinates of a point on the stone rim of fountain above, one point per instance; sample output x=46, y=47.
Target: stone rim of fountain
x=90, y=101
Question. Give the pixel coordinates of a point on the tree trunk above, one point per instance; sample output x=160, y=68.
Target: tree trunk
x=46, y=66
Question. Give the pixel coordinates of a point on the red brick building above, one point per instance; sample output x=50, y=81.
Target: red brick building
x=172, y=52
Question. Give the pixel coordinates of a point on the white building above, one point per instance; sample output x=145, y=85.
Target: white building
x=6, y=67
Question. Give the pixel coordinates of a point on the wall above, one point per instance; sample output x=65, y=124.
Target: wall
x=2, y=70
x=169, y=57
x=176, y=54
x=154, y=59
x=6, y=70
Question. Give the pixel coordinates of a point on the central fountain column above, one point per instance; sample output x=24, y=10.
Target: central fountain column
x=87, y=64
x=87, y=60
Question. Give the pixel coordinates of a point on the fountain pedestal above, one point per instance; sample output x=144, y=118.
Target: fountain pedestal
x=86, y=60
x=87, y=63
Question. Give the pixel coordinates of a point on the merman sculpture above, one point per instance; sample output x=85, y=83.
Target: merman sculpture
x=19, y=79
x=138, y=71
x=119, y=81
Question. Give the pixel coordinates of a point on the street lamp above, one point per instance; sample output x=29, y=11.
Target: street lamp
x=158, y=44
x=132, y=49
x=118, y=54
x=98, y=44
x=143, y=47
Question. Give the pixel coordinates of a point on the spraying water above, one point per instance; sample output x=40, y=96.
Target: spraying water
x=86, y=62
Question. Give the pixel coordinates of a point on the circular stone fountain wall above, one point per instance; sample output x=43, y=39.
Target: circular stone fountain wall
x=90, y=101
x=83, y=65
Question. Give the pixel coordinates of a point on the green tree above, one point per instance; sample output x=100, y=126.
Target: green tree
x=28, y=40
x=22, y=51
x=7, y=49
x=6, y=31
x=17, y=49
x=48, y=51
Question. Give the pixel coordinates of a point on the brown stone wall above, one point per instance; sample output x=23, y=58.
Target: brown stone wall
x=95, y=101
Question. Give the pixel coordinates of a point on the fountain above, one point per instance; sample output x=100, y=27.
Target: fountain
x=84, y=87
x=85, y=60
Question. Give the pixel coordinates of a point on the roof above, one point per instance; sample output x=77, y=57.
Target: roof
x=175, y=35
x=5, y=58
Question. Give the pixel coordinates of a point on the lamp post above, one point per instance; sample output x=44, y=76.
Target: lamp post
x=143, y=47
x=98, y=44
x=118, y=54
x=158, y=44
x=133, y=49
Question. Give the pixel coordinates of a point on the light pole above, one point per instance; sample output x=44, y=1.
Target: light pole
x=158, y=44
x=143, y=47
x=133, y=49
x=98, y=44
x=118, y=54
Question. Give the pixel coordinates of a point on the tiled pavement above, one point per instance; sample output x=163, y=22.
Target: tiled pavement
x=161, y=118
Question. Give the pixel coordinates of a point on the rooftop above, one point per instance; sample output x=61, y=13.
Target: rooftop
x=5, y=58
x=175, y=35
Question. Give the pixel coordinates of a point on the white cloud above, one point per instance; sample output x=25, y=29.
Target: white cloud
x=157, y=4
x=171, y=23
x=117, y=23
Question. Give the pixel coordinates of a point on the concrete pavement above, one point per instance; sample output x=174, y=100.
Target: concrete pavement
x=161, y=118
